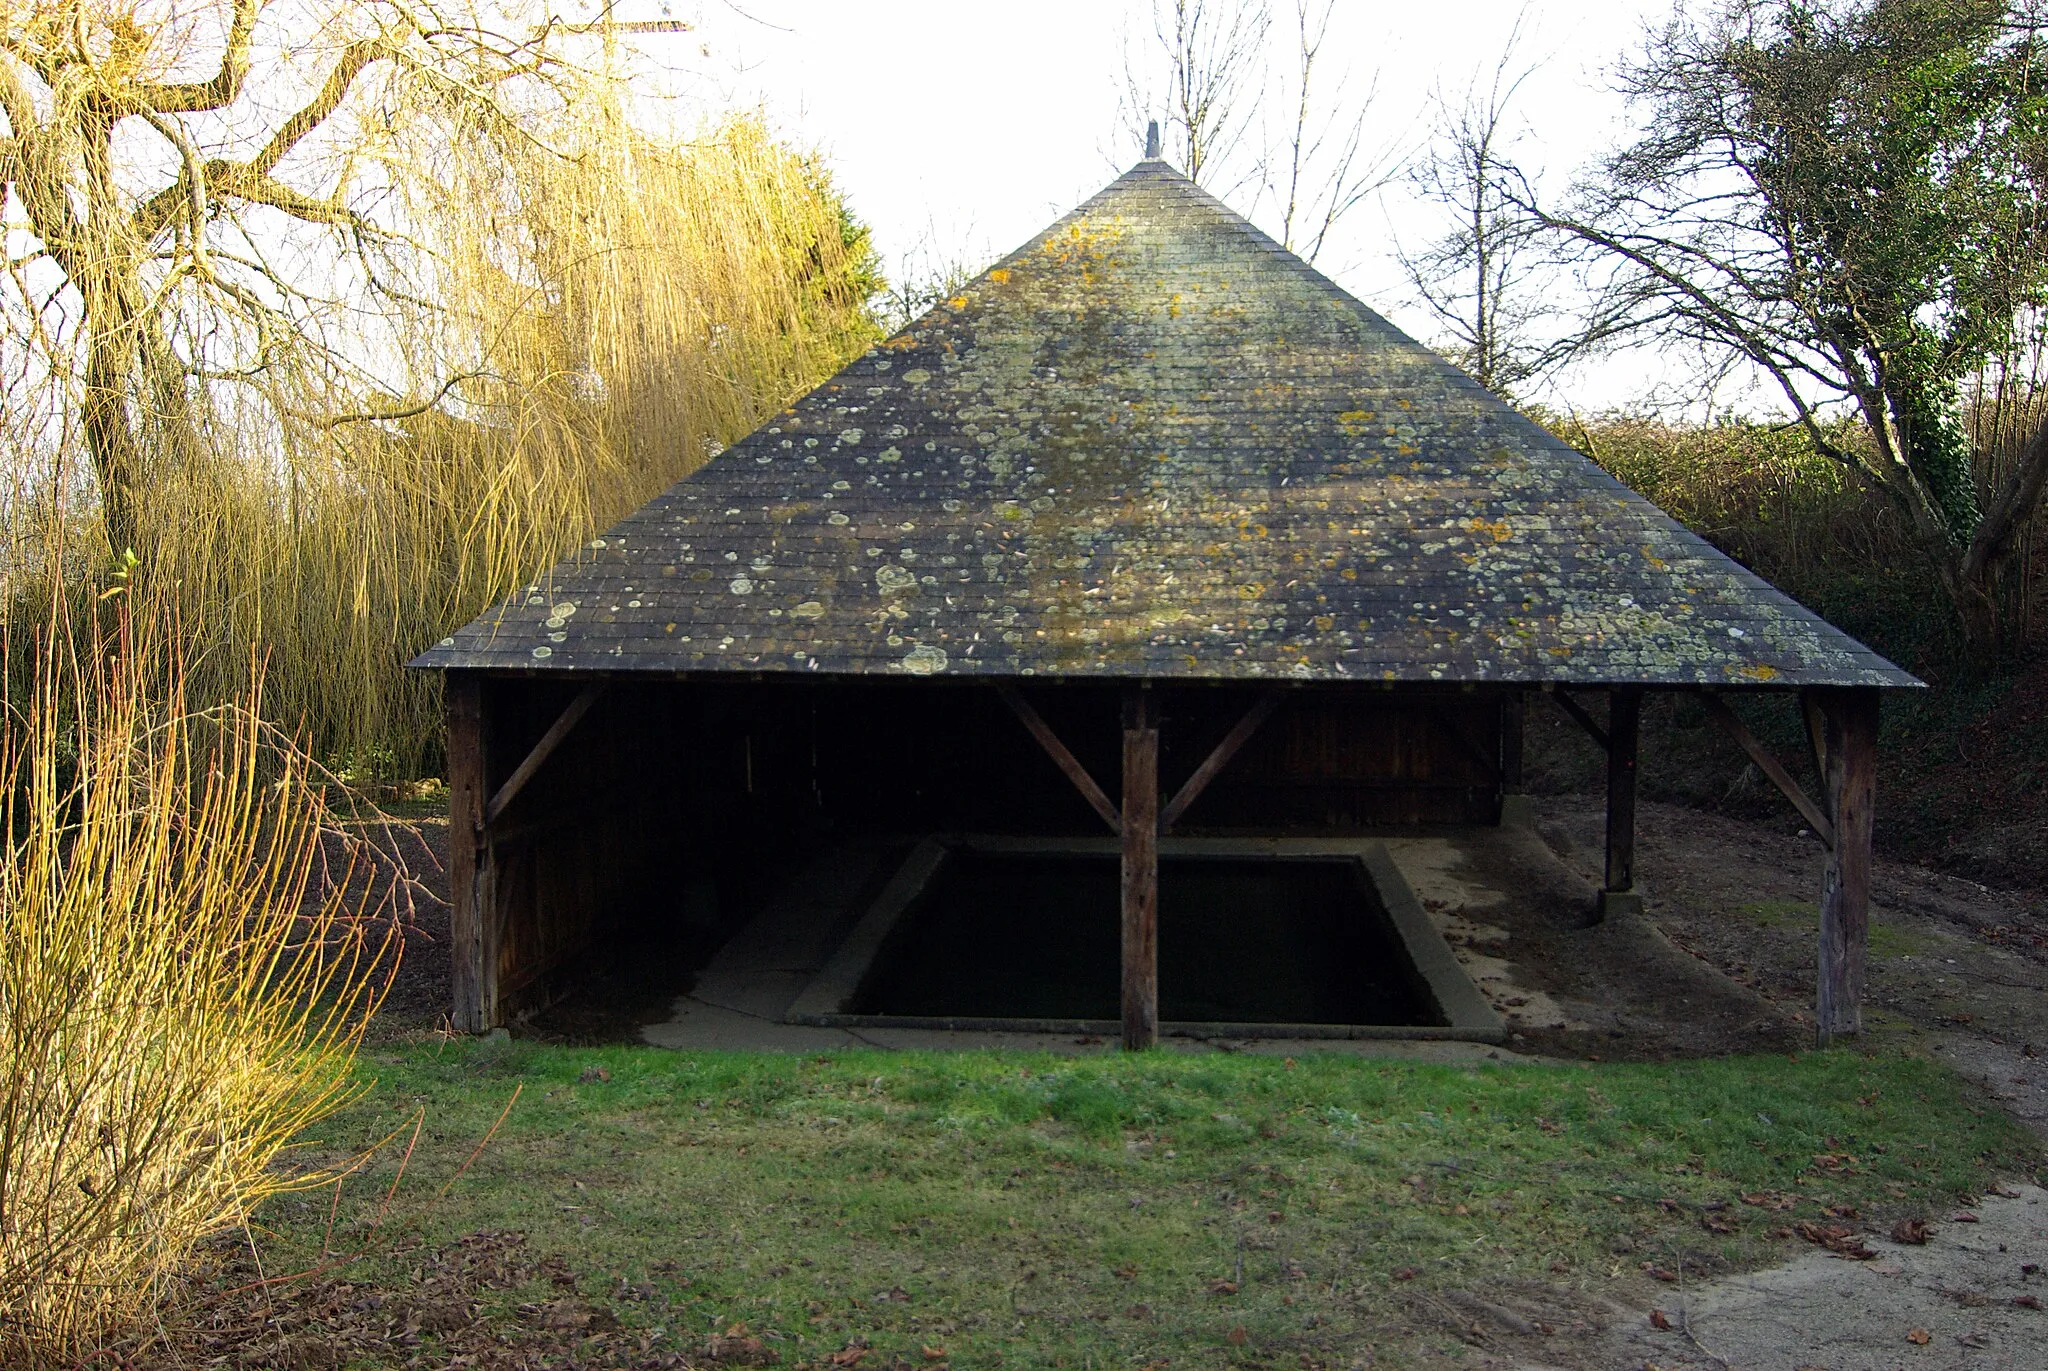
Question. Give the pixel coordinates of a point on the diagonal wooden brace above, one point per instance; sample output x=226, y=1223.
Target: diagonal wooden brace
x=1214, y=763
x=542, y=750
x=1583, y=719
x=1732, y=725
x=1062, y=758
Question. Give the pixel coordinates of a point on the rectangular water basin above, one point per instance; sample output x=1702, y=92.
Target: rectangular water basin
x=1256, y=938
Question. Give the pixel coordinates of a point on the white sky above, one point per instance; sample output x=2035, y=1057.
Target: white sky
x=964, y=126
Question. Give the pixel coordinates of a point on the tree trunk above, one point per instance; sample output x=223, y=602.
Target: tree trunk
x=110, y=439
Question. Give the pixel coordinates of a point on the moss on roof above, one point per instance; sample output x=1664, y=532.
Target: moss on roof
x=1152, y=443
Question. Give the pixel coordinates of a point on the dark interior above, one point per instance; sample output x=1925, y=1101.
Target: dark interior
x=675, y=808
x=1241, y=940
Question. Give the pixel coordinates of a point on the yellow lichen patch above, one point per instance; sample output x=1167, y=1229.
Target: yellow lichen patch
x=1497, y=529
x=1324, y=623
x=1001, y=276
x=1251, y=591
x=1654, y=560
x=1354, y=421
x=1758, y=672
x=902, y=342
x=958, y=302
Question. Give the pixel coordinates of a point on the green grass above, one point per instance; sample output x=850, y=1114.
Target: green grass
x=1022, y=1207
x=1781, y=913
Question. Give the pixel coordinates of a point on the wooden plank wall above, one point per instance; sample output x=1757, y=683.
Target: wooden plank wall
x=1331, y=762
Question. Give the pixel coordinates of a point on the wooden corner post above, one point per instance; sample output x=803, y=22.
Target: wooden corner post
x=473, y=956
x=1624, y=724
x=1141, y=870
x=1846, y=749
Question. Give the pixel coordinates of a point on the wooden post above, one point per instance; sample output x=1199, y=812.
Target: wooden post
x=1851, y=785
x=473, y=970
x=1140, y=870
x=1514, y=710
x=1624, y=717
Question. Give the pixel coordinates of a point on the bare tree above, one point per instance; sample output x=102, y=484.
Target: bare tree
x=924, y=276
x=173, y=165
x=1324, y=167
x=1211, y=72
x=1208, y=68
x=1851, y=198
x=1487, y=281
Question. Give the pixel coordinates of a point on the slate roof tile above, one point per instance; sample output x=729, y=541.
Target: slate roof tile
x=1152, y=443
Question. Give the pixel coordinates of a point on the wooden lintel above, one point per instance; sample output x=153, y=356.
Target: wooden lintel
x=549, y=741
x=1217, y=759
x=1585, y=720
x=1062, y=758
x=1733, y=726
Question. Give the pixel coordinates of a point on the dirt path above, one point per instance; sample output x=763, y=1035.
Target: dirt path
x=1971, y=1298
x=1956, y=970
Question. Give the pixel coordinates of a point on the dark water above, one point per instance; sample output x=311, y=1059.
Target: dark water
x=1240, y=941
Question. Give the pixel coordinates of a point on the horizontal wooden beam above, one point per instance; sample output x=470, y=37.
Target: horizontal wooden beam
x=1239, y=735
x=1065, y=760
x=1585, y=720
x=1732, y=725
x=542, y=750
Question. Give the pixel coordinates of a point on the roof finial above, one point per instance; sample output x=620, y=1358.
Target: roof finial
x=1152, y=151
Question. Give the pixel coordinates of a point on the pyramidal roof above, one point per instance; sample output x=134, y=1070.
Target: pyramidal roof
x=1153, y=443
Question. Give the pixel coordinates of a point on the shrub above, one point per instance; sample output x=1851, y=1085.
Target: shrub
x=189, y=959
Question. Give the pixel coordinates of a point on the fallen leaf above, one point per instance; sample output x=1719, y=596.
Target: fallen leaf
x=1962, y=1218
x=1910, y=1232
x=593, y=1073
x=738, y=1351
x=1658, y=1273
x=847, y=1356
x=1660, y=1319
x=1841, y=1241
x=1219, y=1286
x=2026, y=1301
x=1127, y=1272
x=933, y=1353
x=1406, y=1273
x=1236, y=1336
x=1919, y=1337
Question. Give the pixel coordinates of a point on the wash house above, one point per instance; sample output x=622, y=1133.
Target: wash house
x=1151, y=531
